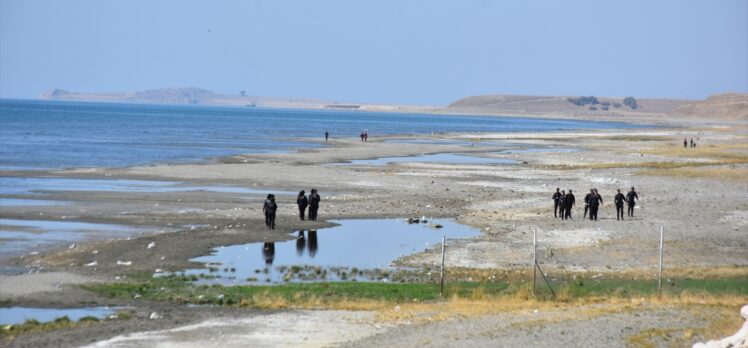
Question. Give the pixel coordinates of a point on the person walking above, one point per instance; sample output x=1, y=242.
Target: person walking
x=692, y=144
x=314, y=199
x=327, y=136
x=366, y=137
x=302, y=202
x=631, y=199
x=269, y=208
x=595, y=201
x=685, y=143
x=587, y=203
x=619, y=199
x=569, y=201
x=556, y=201
x=362, y=136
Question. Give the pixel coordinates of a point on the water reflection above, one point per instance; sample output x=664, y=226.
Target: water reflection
x=300, y=244
x=310, y=243
x=366, y=245
x=268, y=253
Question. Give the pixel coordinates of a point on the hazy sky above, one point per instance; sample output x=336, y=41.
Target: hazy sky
x=415, y=52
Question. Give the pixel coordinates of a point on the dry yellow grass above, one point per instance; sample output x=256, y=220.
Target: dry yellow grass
x=728, y=173
x=737, y=151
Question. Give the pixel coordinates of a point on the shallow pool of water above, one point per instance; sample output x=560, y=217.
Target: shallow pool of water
x=19, y=202
x=18, y=315
x=328, y=254
x=449, y=158
x=18, y=186
x=19, y=236
x=540, y=150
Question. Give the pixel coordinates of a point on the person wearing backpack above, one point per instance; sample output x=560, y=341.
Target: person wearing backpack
x=269, y=208
x=314, y=199
x=630, y=199
x=302, y=202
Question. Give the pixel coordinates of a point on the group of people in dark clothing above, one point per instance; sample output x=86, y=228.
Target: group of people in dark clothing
x=270, y=207
x=312, y=202
x=563, y=203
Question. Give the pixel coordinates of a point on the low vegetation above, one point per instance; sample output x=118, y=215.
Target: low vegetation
x=31, y=326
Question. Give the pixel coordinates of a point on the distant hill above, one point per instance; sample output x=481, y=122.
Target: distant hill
x=568, y=105
x=186, y=95
x=727, y=106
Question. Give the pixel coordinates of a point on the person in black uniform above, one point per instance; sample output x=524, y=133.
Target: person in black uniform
x=630, y=199
x=269, y=209
x=619, y=199
x=587, y=203
x=556, y=201
x=561, y=204
x=302, y=202
x=314, y=199
x=595, y=201
x=569, y=201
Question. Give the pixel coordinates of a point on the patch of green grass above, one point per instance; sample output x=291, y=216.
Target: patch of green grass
x=175, y=289
x=582, y=288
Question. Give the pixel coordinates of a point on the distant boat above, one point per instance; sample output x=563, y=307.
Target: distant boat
x=251, y=105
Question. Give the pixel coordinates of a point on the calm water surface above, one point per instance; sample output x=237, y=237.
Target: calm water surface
x=49, y=134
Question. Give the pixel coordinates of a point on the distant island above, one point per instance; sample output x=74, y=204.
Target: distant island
x=727, y=105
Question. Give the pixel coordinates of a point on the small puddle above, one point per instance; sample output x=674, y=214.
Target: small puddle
x=18, y=315
x=450, y=158
x=18, y=236
x=19, y=186
x=540, y=150
x=360, y=250
x=19, y=202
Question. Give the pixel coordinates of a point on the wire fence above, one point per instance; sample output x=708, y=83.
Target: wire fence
x=536, y=265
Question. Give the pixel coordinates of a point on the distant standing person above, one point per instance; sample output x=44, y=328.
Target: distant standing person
x=327, y=136
x=362, y=137
x=619, y=199
x=269, y=209
x=366, y=137
x=314, y=199
x=569, y=201
x=595, y=201
x=685, y=143
x=561, y=205
x=556, y=201
x=630, y=198
x=587, y=198
x=692, y=144
x=302, y=202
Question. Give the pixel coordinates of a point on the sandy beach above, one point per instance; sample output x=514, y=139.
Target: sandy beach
x=698, y=195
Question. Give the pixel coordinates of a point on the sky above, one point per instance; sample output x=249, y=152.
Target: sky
x=401, y=52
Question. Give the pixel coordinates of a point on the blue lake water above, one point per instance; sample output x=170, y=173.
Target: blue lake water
x=49, y=134
x=449, y=158
x=25, y=186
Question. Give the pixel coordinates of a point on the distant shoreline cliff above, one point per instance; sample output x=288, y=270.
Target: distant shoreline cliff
x=727, y=105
